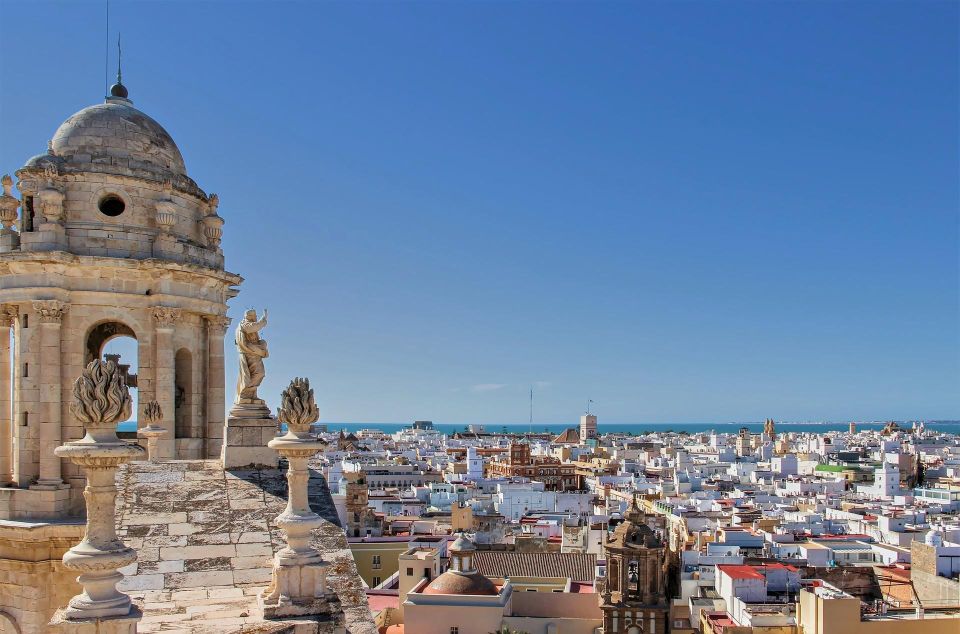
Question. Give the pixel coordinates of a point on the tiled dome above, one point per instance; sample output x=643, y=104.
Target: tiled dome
x=454, y=582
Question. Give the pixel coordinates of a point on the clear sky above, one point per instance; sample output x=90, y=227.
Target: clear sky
x=686, y=211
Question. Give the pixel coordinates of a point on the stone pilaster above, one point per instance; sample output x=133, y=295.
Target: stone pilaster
x=164, y=370
x=50, y=313
x=216, y=394
x=8, y=316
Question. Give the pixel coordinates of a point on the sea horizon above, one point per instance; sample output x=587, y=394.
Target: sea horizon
x=947, y=426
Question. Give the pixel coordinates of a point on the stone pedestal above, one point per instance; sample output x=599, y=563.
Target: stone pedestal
x=153, y=414
x=126, y=624
x=101, y=399
x=152, y=434
x=298, y=586
x=248, y=429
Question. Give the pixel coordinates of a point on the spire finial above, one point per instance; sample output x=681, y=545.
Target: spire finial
x=118, y=89
x=119, y=53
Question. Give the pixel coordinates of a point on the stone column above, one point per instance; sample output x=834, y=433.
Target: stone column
x=299, y=583
x=101, y=400
x=164, y=370
x=216, y=387
x=50, y=313
x=8, y=315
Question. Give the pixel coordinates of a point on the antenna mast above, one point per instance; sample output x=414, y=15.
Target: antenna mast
x=106, y=55
x=531, y=409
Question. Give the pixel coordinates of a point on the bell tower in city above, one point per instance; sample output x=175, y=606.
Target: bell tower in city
x=634, y=598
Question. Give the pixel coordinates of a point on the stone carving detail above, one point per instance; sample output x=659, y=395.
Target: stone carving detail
x=51, y=204
x=100, y=400
x=50, y=311
x=153, y=414
x=298, y=585
x=8, y=315
x=298, y=409
x=100, y=396
x=212, y=224
x=8, y=204
x=218, y=324
x=166, y=215
x=252, y=350
x=166, y=316
x=213, y=230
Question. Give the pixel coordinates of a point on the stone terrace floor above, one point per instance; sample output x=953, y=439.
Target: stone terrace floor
x=205, y=540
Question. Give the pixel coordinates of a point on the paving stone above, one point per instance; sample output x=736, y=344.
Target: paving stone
x=203, y=519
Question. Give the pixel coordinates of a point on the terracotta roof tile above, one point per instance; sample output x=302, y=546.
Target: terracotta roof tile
x=578, y=567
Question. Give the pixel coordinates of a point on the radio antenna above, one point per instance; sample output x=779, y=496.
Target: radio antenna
x=106, y=55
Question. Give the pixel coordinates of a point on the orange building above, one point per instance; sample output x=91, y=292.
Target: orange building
x=555, y=475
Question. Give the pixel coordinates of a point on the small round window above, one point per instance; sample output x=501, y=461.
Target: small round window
x=112, y=205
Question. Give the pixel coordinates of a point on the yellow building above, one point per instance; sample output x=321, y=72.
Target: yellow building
x=461, y=518
x=377, y=558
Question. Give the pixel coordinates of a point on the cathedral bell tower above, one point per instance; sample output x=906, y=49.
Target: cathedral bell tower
x=112, y=239
x=634, y=599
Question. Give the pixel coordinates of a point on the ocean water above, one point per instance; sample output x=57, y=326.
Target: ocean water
x=951, y=427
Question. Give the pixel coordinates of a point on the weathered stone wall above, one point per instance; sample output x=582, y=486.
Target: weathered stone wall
x=33, y=581
x=935, y=589
x=923, y=558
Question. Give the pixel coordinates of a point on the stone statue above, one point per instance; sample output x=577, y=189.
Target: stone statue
x=253, y=350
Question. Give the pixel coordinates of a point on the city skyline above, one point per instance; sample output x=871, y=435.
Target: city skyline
x=629, y=209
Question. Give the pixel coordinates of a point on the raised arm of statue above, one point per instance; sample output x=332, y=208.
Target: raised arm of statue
x=249, y=325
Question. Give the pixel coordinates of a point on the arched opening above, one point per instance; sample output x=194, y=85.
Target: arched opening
x=183, y=399
x=114, y=341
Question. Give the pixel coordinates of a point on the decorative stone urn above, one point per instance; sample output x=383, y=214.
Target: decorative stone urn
x=153, y=431
x=166, y=215
x=100, y=400
x=213, y=230
x=299, y=583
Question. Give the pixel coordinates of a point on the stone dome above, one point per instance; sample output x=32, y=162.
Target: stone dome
x=455, y=582
x=115, y=137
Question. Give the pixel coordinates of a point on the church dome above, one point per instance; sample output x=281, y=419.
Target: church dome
x=115, y=137
x=462, y=578
x=455, y=582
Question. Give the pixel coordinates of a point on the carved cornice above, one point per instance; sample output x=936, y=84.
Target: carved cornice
x=166, y=316
x=218, y=324
x=50, y=311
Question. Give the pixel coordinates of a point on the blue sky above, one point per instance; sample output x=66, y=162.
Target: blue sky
x=685, y=211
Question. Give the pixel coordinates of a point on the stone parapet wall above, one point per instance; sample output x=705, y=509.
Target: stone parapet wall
x=33, y=580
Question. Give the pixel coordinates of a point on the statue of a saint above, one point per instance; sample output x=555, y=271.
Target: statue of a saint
x=253, y=350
